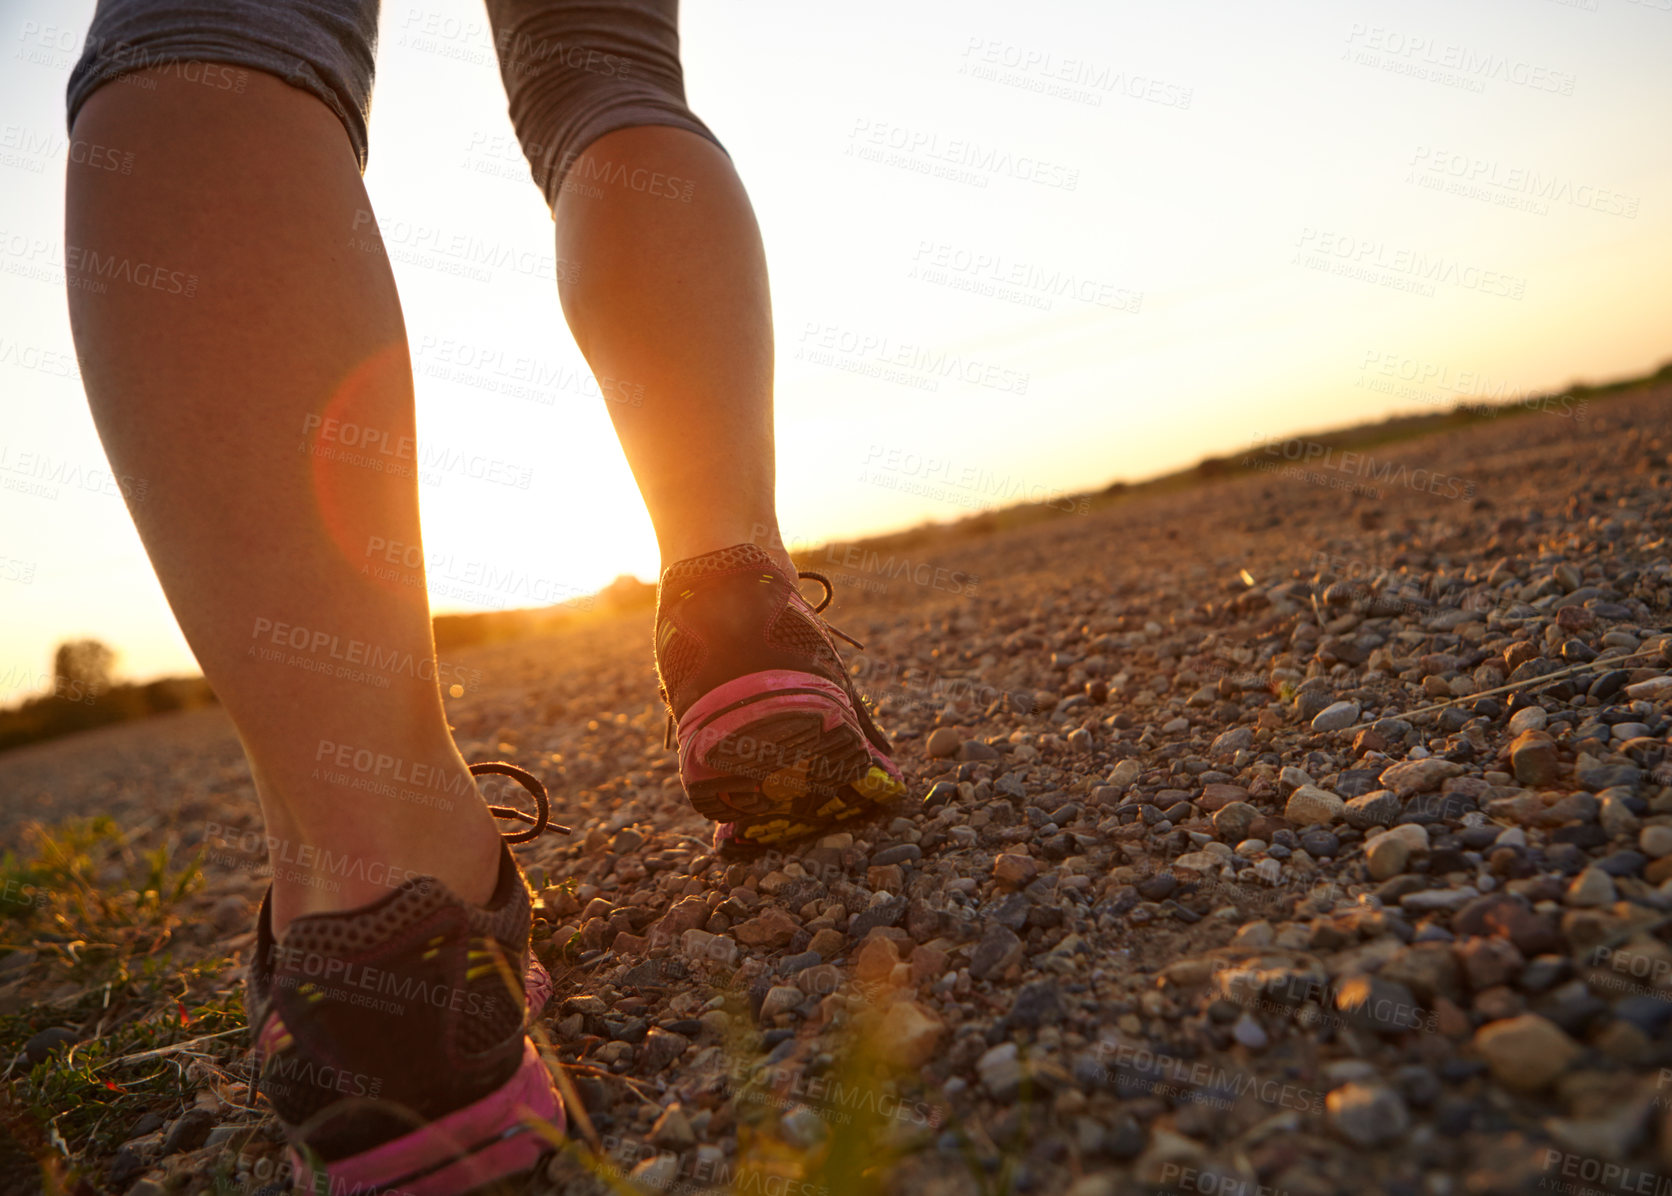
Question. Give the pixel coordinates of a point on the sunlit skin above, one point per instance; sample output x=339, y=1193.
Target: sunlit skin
x=254, y=533
x=673, y=296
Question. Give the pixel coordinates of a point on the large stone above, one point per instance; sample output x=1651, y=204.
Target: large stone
x=189, y=1132
x=1367, y=1114
x=1509, y=917
x=909, y=1034
x=943, y=741
x=1000, y=1070
x=1533, y=757
x=1218, y=795
x=1429, y=970
x=998, y=950
x=1430, y=901
x=699, y=944
x=689, y=913
x=1387, y=856
x=1377, y=808
x=1410, y=777
x=40, y=1046
x=1528, y=718
x=874, y=962
x=1037, y=1003
x=1413, y=834
x=1292, y=778
x=1651, y=690
x=1526, y=1053
x=1312, y=806
x=672, y=1130
x=1229, y=743
x=887, y=912
x=1596, y=775
x=1336, y=717
x=1656, y=841
x=1125, y=773
x=1231, y=822
x=772, y=928
x=1591, y=889
x=1615, y=816
x=660, y=1048
x=1015, y=871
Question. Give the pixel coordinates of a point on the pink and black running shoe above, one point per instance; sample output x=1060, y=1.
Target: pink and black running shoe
x=774, y=741
x=392, y=1040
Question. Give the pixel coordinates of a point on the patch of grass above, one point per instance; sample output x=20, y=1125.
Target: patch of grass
x=87, y=946
x=149, y=1025
x=841, y=1124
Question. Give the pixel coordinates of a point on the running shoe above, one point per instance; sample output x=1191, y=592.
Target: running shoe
x=775, y=743
x=392, y=1040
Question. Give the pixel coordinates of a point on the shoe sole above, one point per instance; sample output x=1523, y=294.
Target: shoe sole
x=781, y=754
x=486, y=1141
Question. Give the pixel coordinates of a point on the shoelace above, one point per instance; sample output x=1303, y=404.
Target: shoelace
x=540, y=819
x=829, y=595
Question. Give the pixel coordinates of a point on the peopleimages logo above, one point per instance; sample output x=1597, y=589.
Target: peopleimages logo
x=884, y=356
x=965, y=476
x=1613, y=1177
x=27, y=356
x=1363, y=465
x=1407, y=377
x=1414, y=51
x=1512, y=185
x=326, y=646
x=1063, y=76
x=1196, y=1080
x=1374, y=260
x=792, y=1083
x=925, y=151
x=994, y=275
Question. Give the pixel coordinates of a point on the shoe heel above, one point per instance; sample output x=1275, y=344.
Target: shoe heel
x=783, y=750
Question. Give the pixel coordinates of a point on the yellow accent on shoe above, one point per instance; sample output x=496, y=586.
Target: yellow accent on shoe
x=877, y=785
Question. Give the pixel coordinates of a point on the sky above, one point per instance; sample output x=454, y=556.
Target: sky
x=1015, y=251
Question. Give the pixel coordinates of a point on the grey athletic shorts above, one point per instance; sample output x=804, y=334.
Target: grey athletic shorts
x=573, y=69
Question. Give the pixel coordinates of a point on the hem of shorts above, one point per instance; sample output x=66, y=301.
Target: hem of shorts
x=296, y=74
x=614, y=123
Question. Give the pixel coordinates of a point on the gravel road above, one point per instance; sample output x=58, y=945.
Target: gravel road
x=1307, y=832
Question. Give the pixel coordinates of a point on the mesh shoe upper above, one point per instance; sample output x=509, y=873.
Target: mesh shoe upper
x=371, y=1022
x=734, y=612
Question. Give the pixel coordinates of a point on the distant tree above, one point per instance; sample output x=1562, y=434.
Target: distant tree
x=82, y=667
